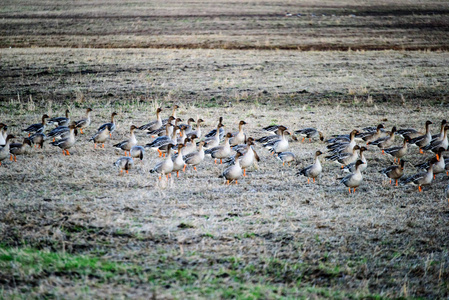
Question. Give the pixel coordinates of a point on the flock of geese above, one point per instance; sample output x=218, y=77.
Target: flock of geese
x=184, y=144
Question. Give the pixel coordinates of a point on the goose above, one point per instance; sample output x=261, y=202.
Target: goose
x=421, y=179
x=197, y=132
x=310, y=133
x=247, y=156
x=38, y=127
x=398, y=152
x=19, y=149
x=439, y=143
x=188, y=127
x=286, y=157
x=163, y=147
x=4, y=151
x=422, y=140
x=3, y=133
x=129, y=143
x=234, y=172
x=355, y=179
x=137, y=152
x=345, y=158
x=160, y=144
x=60, y=121
x=100, y=136
x=439, y=136
x=371, y=136
x=178, y=161
x=384, y=142
x=214, y=140
x=189, y=145
x=58, y=132
x=84, y=123
x=221, y=152
x=124, y=163
x=314, y=170
x=351, y=167
x=111, y=125
x=273, y=128
x=37, y=139
x=238, y=137
x=175, y=107
x=162, y=130
x=221, y=132
x=66, y=143
x=165, y=166
x=394, y=172
x=195, y=158
x=411, y=132
x=153, y=125
x=344, y=147
x=279, y=145
x=439, y=164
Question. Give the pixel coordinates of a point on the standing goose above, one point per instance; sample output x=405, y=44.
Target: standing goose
x=129, y=143
x=137, y=152
x=221, y=152
x=310, y=133
x=84, y=123
x=384, y=142
x=66, y=143
x=60, y=131
x=421, y=179
x=286, y=157
x=124, y=163
x=165, y=121
x=355, y=179
x=394, y=172
x=279, y=145
x=111, y=125
x=189, y=145
x=37, y=139
x=314, y=170
x=439, y=143
x=163, y=129
x=195, y=158
x=344, y=147
x=165, y=146
x=214, y=140
x=188, y=126
x=178, y=162
x=213, y=132
x=38, y=127
x=274, y=128
x=398, y=152
x=239, y=137
x=4, y=151
x=247, y=156
x=101, y=136
x=371, y=136
x=60, y=121
x=345, y=158
x=153, y=125
x=422, y=140
x=165, y=166
x=351, y=167
x=439, y=136
x=197, y=132
x=234, y=172
x=439, y=165
x=19, y=149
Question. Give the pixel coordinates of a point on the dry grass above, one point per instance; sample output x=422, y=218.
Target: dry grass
x=383, y=240
x=224, y=24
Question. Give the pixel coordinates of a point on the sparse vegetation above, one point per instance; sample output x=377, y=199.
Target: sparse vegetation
x=72, y=227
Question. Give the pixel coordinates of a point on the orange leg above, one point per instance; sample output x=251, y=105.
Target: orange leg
x=127, y=172
x=102, y=146
x=244, y=172
x=396, y=182
x=15, y=158
x=95, y=145
x=81, y=130
x=303, y=139
x=310, y=140
x=349, y=190
x=63, y=151
x=221, y=161
x=383, y=152
x=420, y=151
x=184, y=169
x=160, y=152
x=121, y=171
x=29, y=134
x=0, y=163
x=68, y=153
x=194, y=168
x=110, y=134
x=438, y=157
x=169, y=175
x=434, y=176
x=419, y=188
x=342, y=166
x=177, y=174
x=227, y=182
x=394, y=159
x=215, y=161
x=10, y=157
x=354, y=190
x=54, y=139
x=283, y=163
x=236, y=182
x=308, y=180
x=313, y=180
x=390, y=181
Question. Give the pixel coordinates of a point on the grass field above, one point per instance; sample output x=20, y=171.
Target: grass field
x=73, y=227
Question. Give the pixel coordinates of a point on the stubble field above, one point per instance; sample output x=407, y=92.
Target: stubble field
x=73, y=227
